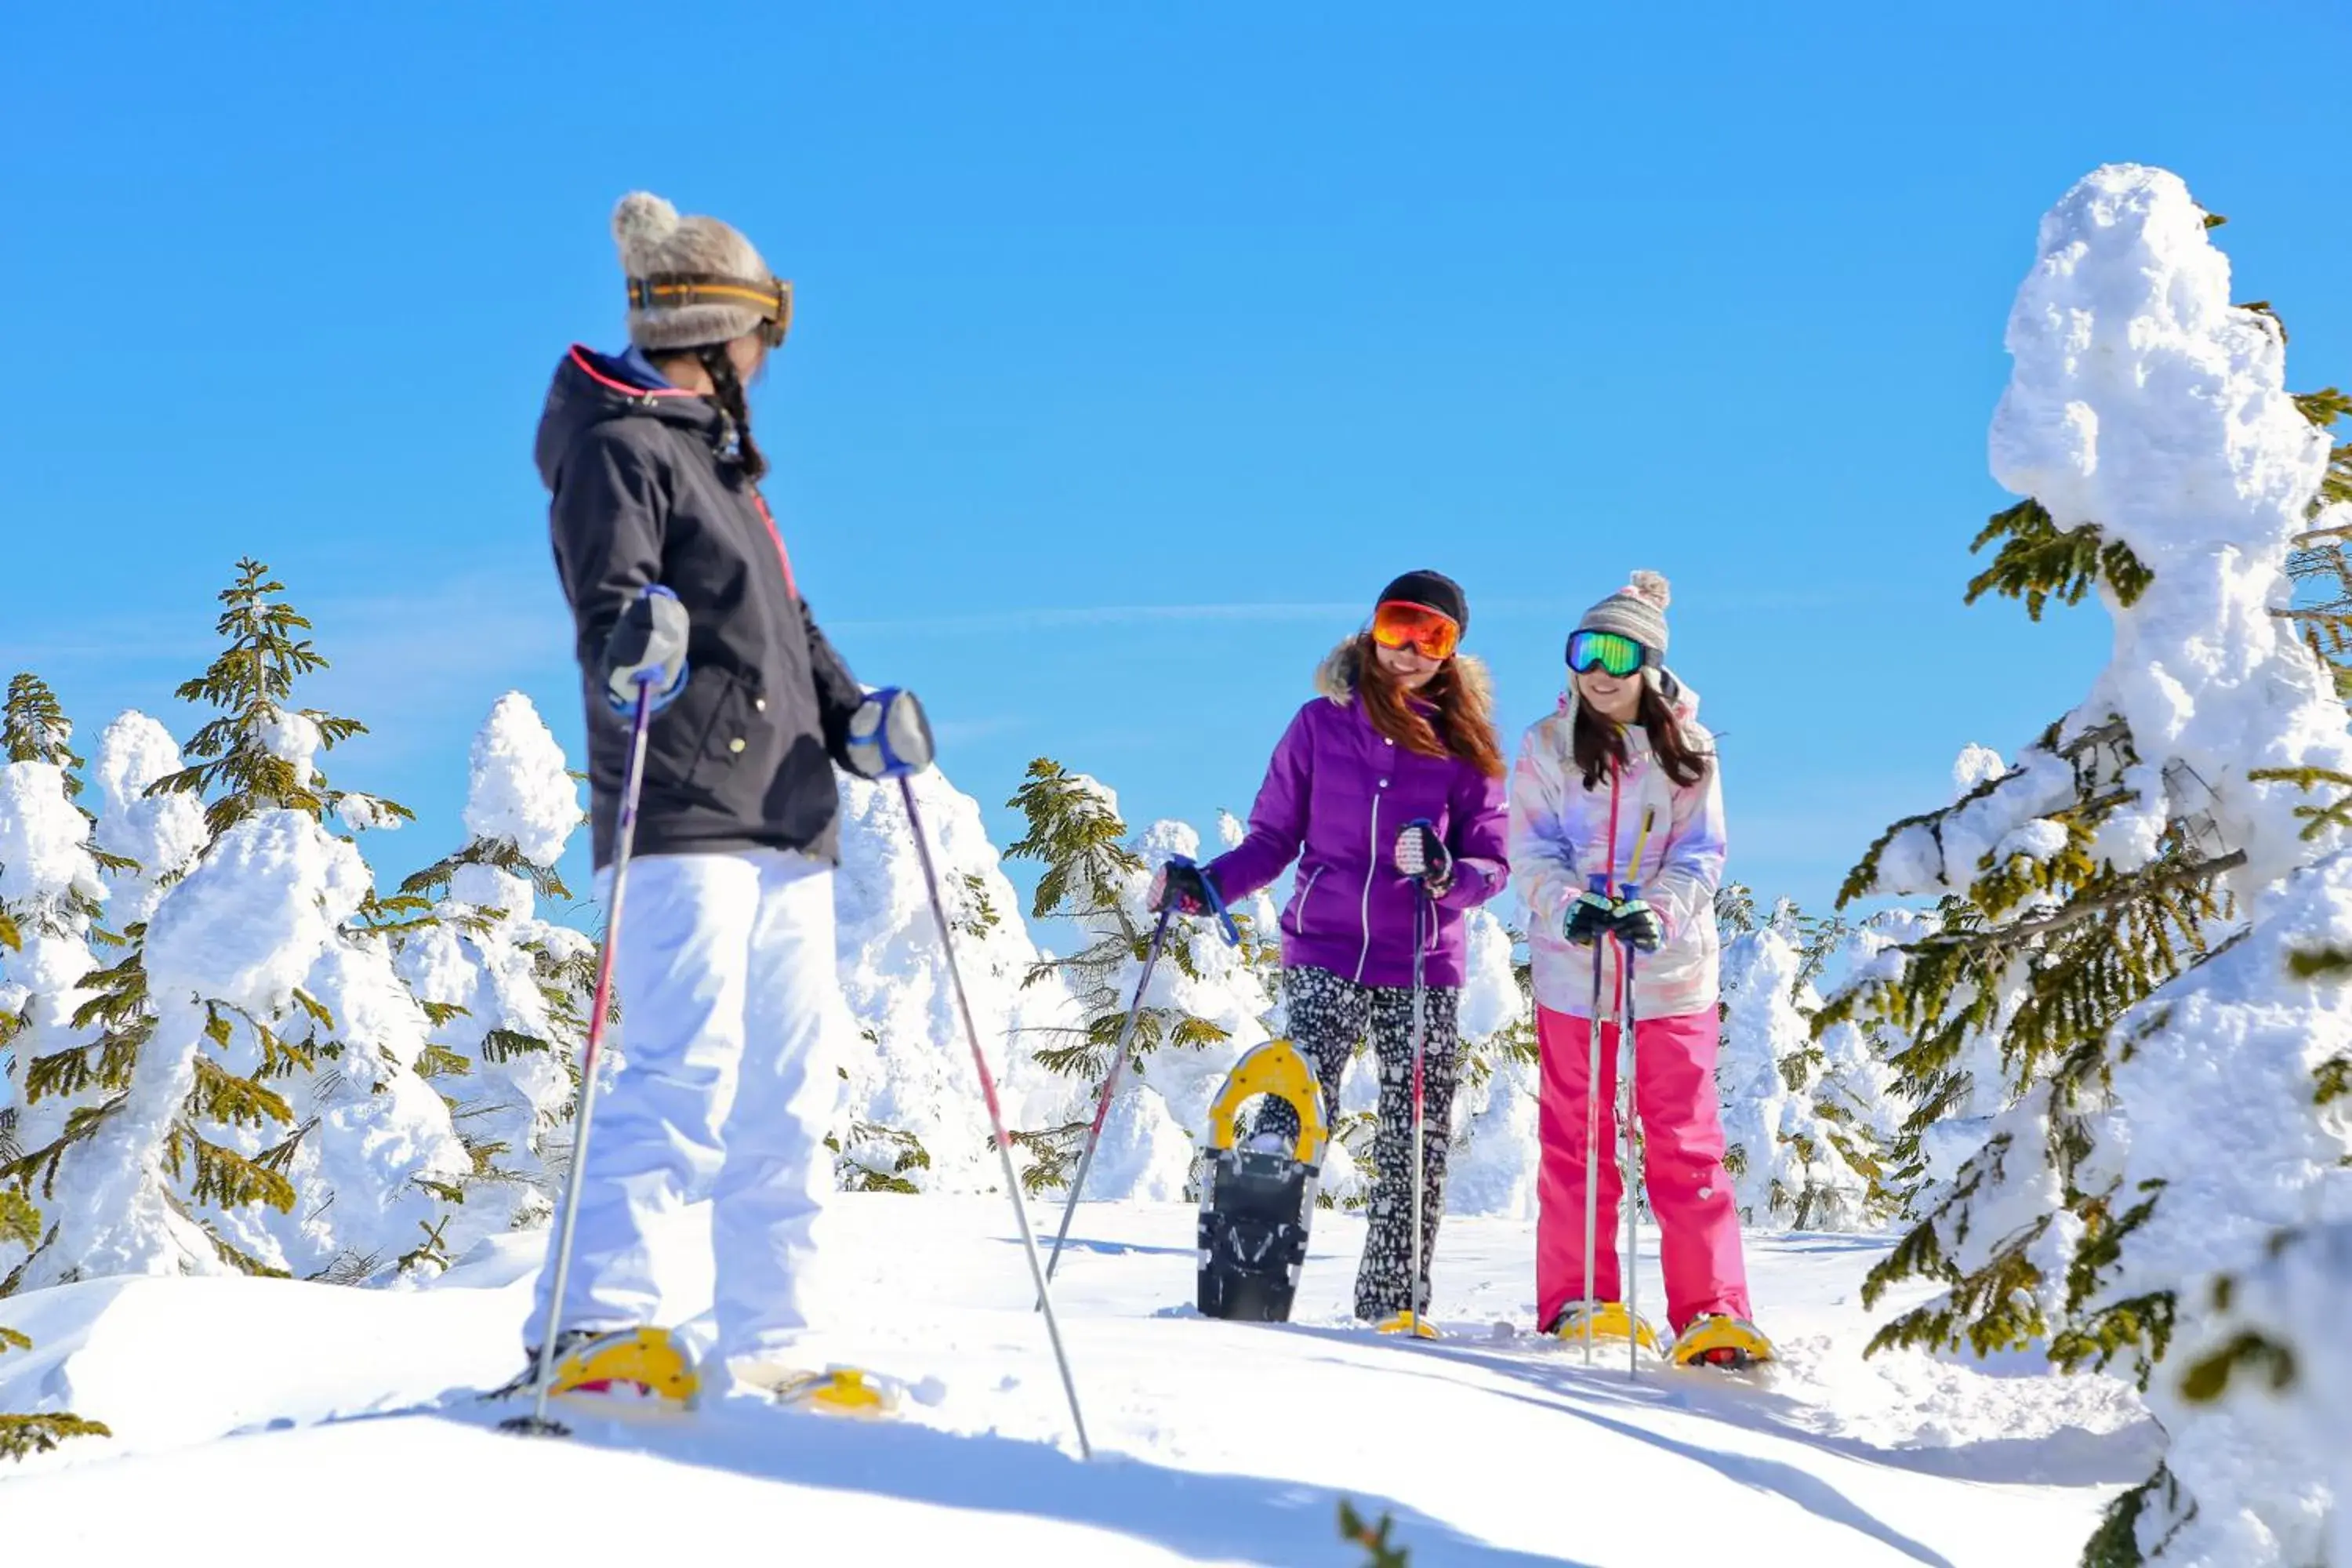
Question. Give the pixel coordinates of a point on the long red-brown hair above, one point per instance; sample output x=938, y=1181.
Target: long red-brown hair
x=1448, y=717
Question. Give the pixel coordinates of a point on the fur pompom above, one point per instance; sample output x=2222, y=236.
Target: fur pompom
x=1652, y=586
x=642, y=223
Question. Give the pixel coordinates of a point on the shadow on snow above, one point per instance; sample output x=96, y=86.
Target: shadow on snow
x=1204, y=1516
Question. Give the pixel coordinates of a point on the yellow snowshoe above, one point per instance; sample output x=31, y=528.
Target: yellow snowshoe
x=1719, y=1339
x=1611, y=1325
x=632, y=1364
x=1410, y=1322
x=835, y=1391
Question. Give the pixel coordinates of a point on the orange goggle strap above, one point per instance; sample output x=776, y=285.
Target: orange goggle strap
x=1411, y=619
x=675, y=290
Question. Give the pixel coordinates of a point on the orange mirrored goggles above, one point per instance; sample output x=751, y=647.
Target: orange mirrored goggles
x=1398, y=623
x=674, y=290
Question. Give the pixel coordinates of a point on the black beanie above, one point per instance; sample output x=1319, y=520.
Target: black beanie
x=1432, y=590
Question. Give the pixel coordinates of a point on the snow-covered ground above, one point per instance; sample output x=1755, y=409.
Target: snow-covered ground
x=1215, y=1442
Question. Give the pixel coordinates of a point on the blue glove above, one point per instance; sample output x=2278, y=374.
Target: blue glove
x=1182, y=886
x=1638, y=926
x=1592, y=917
x=889, y=736
x=647, y=648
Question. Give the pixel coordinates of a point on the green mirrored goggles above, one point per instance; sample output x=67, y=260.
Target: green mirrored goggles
x=1613, y=652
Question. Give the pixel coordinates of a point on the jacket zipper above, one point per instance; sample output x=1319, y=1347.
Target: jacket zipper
x=1372, y=869
x=1298, y=921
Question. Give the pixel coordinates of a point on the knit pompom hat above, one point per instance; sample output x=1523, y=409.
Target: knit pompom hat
x=655, y=241
x=1638, y=610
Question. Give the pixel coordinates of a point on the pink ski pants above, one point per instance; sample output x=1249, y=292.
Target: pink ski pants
x=1690, y=1193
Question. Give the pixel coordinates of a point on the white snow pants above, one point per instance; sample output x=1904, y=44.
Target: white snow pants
x=732, y=1018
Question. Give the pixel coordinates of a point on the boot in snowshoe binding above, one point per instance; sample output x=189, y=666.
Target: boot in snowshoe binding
x=1256, y=1202
x=1719, y=1339
x=628, y=1364
x=1612, y=1324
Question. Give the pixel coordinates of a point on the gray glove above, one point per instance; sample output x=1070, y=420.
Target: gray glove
x=889, y=736
x=647, y=648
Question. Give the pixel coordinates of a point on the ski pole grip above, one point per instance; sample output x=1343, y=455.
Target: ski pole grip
x=1233, y=933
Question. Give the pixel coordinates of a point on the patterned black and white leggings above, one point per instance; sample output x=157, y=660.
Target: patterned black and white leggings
x=1329, y=1017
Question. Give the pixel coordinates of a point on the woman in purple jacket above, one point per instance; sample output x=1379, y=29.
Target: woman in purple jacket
x=1399, y=746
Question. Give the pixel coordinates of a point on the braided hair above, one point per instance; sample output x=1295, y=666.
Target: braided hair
x=728, y=392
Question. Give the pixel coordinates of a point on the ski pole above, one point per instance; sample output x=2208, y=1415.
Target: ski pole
x=1628, y=1117
x=1110, y=1088
x=1628, y=1063
x=624, y=835
x=995, y=1111
x=1419, y=854
x=1420, y=1132
x=1119, y=1056
x=1600, y=884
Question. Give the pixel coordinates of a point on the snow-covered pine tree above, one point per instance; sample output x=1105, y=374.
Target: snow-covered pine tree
x=500, y=987
x=2114, y=903
x=80, y=1058
x=1806, y=1121
x=1491, y=1169
x=52, y=896
x=270, y=1116
x=911, y=1117
x=1207, y=1002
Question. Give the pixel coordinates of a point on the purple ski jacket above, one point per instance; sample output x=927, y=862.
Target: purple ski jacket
x=1336, y=796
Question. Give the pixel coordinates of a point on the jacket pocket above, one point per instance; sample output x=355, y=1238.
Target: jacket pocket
x=1298, y=904
x=692, y=741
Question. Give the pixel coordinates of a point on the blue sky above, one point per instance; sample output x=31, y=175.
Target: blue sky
x=1138, y=346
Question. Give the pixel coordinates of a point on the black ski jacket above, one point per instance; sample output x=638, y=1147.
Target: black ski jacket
x=645, y=489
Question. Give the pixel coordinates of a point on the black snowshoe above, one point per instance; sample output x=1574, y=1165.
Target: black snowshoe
x=1256, y=1202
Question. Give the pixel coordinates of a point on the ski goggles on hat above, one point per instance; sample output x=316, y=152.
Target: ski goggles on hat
x=1398, y=623
x=1613, y=653
x=675, y=290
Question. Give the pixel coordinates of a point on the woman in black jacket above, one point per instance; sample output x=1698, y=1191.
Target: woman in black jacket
x=725, y=964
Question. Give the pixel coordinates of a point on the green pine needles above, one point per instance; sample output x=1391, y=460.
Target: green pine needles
x=1077, y=835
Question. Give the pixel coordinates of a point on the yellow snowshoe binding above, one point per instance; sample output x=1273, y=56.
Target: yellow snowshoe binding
x=643, y=1364
x=840, y=1391
x=1411, y=1323
x=835, y=1391
x=1721, y=1341
x=1611, y=1325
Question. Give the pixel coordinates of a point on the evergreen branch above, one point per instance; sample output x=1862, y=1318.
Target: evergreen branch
x=222, y=1096
x=2037, y=562
x=21, y=1437
x=2128, y=891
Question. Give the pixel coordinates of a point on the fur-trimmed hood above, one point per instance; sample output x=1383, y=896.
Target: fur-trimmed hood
x=1335, y=677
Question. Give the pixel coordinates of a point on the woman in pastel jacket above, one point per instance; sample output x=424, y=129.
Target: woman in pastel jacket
x=1394, y=764
x=1621, y=784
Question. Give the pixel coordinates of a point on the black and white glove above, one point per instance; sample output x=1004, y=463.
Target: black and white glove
x=889, y=736
x=1592, y=917
x=1182, y=886
x=1423, y=856
x=1638, y=926
x=646, y=649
